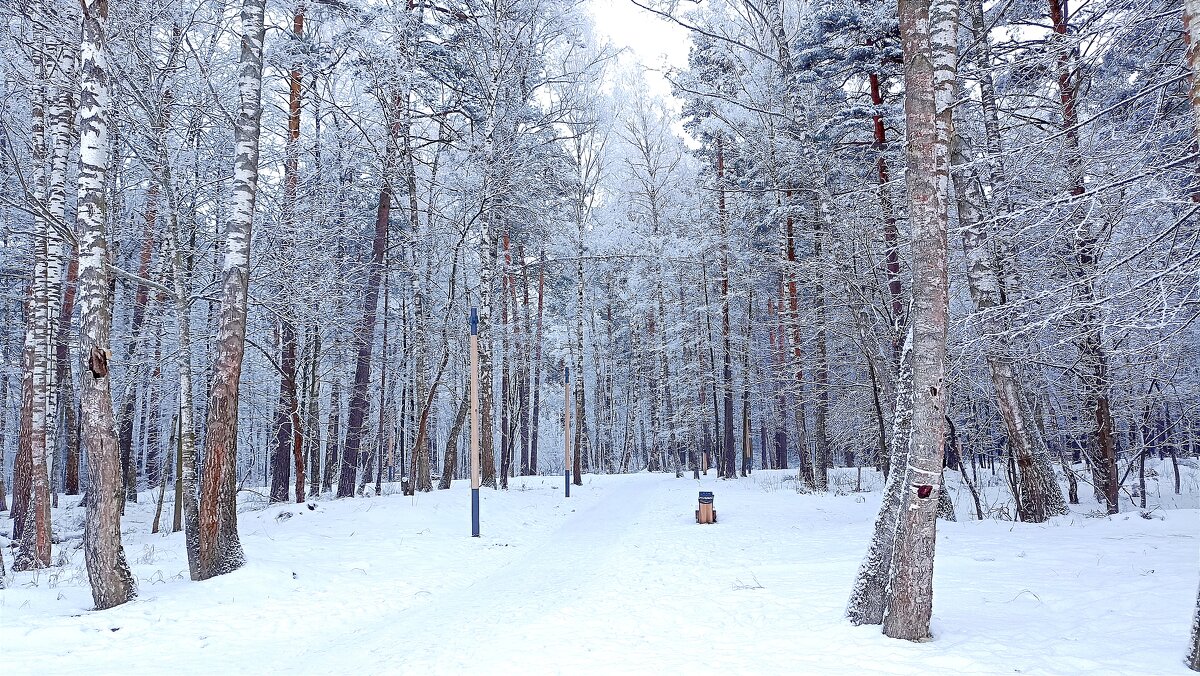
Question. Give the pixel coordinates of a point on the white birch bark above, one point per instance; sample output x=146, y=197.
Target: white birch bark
x=868, y=599
x=112, y=583
x=1038, y=495
x=220, y=547
x=60, y=118
x=34, y=541
x=929, y=39
x=1191, y=23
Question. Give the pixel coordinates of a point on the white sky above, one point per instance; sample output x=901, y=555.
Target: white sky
x=652, y=42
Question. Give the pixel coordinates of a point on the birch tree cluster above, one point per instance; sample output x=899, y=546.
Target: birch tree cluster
x=241, y=241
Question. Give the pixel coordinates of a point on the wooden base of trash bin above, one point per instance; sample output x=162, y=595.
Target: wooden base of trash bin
x=706, y=513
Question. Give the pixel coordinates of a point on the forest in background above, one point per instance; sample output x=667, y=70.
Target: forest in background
x=240, y=243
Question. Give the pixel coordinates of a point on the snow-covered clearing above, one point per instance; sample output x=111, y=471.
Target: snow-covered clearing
x=617, y=578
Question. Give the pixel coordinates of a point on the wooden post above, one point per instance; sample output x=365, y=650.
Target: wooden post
x=474, y=422
x=567, y=429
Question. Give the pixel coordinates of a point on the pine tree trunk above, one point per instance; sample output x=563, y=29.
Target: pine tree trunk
x=66, y=382
x=3, y=436
x=747, y=450
x=187, y=508
x=1085, y=322
x=1191, y=37
x=220, y=547
x=887, y=209
x=281, y=457
x=112, y=583
x=364, y=334
x=506, y=361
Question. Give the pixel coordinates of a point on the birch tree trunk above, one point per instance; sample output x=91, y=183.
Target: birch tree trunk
x=21, y=464
x=929, y=39
x=487, y=265
x=1193, y=657
x=1191, y=23
x=189, y=510
x=450, y=456
x=536, y=414
x=579, y=392
x=1038, y=496
x=220, y=547
x=34, y=532
x=112, y=584
x=60, y=114
x=868, y=599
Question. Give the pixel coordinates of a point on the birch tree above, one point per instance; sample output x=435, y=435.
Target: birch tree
x=220, y=548
x=112, y=583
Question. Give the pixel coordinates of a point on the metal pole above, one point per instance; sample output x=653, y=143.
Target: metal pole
x=567, y=429
x=474, y=422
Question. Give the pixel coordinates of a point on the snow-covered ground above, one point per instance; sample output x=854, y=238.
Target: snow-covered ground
x=616, y=579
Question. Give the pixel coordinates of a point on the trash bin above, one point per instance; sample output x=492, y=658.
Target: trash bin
x=706, y=513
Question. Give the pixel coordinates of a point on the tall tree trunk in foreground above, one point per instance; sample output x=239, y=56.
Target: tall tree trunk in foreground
x=112, y=583
x=220, y=547
x=928, y=36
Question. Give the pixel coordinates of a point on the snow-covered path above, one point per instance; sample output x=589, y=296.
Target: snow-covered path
x=617, y=579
